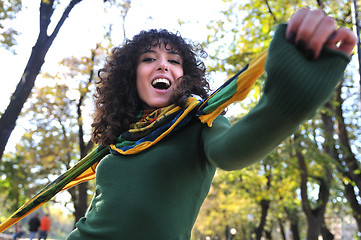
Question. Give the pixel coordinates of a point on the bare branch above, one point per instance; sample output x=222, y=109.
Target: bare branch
x=270, y=10
x=63, y=18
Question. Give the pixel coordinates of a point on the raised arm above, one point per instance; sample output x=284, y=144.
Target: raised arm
x=299, y=80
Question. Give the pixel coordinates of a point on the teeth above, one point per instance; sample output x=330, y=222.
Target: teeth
x=161, y=83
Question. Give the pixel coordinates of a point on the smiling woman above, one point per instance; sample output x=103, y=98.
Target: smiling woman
x=158, y=72
x=136, y=76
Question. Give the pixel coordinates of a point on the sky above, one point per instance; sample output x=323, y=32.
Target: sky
x=84, y=28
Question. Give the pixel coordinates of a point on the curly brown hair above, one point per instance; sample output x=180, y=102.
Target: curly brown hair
x=117, y=101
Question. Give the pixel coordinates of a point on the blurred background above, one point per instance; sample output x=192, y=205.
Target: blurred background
x=50, y=52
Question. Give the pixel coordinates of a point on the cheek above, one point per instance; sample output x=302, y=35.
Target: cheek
x=140, y=86
x=139, y=78
x=177, y=72
x=181, y=72
x=179, y=76
x=140, y=74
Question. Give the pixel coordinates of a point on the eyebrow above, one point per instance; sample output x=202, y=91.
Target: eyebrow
x=153, y=51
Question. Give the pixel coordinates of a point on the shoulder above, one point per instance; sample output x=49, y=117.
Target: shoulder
x=219, y=126
x=220, y=121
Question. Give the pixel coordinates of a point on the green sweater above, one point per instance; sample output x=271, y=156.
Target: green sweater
x=156, y=194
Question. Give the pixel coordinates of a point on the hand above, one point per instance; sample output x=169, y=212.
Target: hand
x=310, y=30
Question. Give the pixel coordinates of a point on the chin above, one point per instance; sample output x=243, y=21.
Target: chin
x=162, y=104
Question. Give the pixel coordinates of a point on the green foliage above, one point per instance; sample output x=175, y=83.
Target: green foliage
x=55, y=113
x=51, y=141
x=15, y=180
x=61, y=223
x=236, y=198
x=8, y=10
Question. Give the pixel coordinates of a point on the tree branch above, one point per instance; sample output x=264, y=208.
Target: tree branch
x=85, y=148
x=304, y=175
x=63, y=18
x=270, y=10
x=46, y=11
x=348, y=156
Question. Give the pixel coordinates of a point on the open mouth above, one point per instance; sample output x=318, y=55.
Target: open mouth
x=161, y=83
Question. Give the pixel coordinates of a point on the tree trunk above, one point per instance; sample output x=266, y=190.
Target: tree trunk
x=314, y=226
x=268, y=235
x=348, y=157
x=354, y=203
x=295, y=231
x=282, y=228
x=32, y=69
x=292, y=215
x=350, y=161
x=81, y=201
x=358, y=46
x=228, y=233
x=79, y=194
x=315, y=217
x=265, y=204
x=326, y=234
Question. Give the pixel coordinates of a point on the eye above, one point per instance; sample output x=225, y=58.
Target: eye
x=148, y=59
x=174, y=61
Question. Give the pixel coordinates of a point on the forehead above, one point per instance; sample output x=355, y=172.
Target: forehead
x=160, y=44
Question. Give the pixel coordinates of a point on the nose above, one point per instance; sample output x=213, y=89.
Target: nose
x=163, y=65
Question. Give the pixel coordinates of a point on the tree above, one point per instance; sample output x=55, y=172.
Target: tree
x=59, y=138
x=14, y=182
x=314, y=214
x=84, y=66
x=36, y=60
x=32, y=69
x=358, y=30
x=252, y=200
x=341, y=139
x=236, y=41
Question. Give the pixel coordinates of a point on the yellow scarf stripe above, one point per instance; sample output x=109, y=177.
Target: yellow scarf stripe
x=191, y=102
x=245, y=82
x=47, y=192
x=11, y=221
x=143, y=125
x=87, y=175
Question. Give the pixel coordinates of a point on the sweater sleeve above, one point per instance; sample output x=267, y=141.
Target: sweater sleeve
x=295, y=88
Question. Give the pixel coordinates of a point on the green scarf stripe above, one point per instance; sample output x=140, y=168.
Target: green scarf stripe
x=222, y=94
x=57, y=185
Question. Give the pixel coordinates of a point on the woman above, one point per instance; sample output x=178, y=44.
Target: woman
x=157, y=192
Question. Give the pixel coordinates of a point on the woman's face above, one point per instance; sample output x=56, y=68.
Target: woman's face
x=158, y=73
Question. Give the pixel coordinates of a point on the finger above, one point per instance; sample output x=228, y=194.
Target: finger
x=294, y=24
x=343, y=40
x=307, y=28
x=325, y=28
